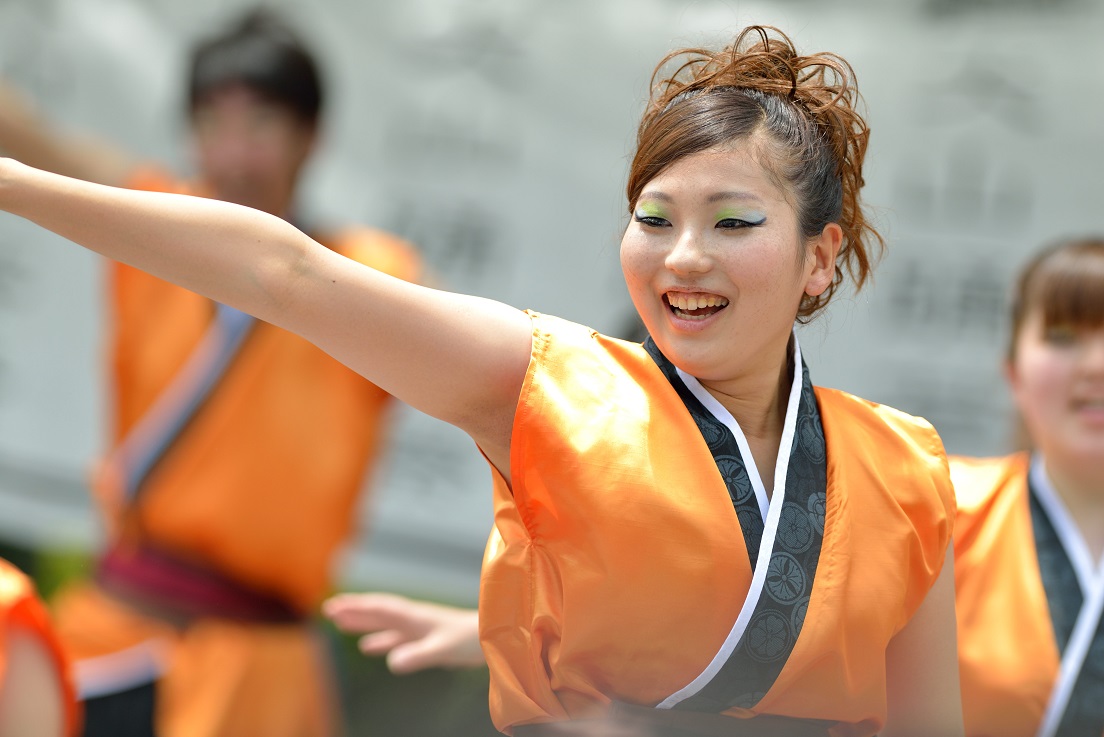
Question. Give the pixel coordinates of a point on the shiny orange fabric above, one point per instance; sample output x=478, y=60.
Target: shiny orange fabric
x=1008, y=656
x=21, y=607
x=616, y=567
x=262, y=486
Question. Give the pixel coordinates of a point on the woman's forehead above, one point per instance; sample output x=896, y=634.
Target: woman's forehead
x=732, y=173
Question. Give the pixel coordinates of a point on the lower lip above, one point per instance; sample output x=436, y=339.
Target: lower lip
x=1093, y=415
x=691, y=324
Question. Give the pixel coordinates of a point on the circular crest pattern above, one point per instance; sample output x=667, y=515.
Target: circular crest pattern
x=713, y=433
x=795, y=528
x=810, y=438
x=786, y=579
x=818, y=506
x=768, y=637
x=736, y=478
x=746, y=700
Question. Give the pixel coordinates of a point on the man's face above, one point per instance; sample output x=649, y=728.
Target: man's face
x=250, y=150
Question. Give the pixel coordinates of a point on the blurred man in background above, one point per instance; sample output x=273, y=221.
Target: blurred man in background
x=237, y=450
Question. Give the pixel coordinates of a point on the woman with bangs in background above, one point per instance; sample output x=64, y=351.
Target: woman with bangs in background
x=1029, y=539
x=688, y=534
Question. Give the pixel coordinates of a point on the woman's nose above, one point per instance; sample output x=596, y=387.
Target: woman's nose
x=690, y=254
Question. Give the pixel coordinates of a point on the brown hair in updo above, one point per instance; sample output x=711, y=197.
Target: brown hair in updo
x=1065, y=281
x=815, y=137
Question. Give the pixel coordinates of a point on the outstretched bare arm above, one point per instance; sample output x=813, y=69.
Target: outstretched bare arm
x=459, y=358
x=26, y=135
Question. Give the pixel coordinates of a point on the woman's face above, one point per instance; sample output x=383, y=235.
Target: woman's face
x=1057, y=380
x=716, y=266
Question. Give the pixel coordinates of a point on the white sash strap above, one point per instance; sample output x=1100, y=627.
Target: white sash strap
x=154, y=433
x=135, y=666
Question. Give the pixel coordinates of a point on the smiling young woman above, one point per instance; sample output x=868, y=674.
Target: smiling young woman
x=1030, y=531
x=686, y=531
x=713, y=258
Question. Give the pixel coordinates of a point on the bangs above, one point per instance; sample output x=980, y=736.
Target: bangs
x=1068, y=287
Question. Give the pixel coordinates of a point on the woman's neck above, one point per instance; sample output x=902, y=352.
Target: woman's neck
x=758, y=404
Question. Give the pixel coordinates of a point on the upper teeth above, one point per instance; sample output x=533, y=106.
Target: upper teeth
x=695, y=301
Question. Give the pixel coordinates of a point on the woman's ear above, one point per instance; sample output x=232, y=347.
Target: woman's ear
x=821, y=257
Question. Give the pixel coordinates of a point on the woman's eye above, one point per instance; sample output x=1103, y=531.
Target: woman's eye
x=651, y=221
x=734, y=223
x=1060, y=335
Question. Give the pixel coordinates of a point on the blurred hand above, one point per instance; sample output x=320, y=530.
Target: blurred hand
x=27, y=136
x=412, y=634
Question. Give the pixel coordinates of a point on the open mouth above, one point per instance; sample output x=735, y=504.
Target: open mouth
x=694, y=306
x=1093, y=405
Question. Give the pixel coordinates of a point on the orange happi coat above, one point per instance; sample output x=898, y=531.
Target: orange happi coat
x=1008, y=654
x=616, y=566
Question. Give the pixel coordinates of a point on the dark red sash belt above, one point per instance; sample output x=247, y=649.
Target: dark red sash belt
x=179, y=591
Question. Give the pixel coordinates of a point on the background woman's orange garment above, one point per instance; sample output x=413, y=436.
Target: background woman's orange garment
x=21, y=608
x=1008, y=655
x=617, y=567
x=259, y=489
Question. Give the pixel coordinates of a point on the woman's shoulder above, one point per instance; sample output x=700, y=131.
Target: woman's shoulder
x=888, y=424
x=559, y=336
x=577, y=369
x=563, y=329
x=981, y=482
x=902, y=452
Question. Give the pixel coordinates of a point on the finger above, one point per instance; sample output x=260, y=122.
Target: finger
x=381, y=643
x=417, y=655
x=363, y=612
x=347, y=601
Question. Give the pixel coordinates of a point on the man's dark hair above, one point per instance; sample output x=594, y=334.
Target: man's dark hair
x=261, y=52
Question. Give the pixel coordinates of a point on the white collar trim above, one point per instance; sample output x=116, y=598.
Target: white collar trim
x=1091, y=577
x=771, y=511
x=1089, y=572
